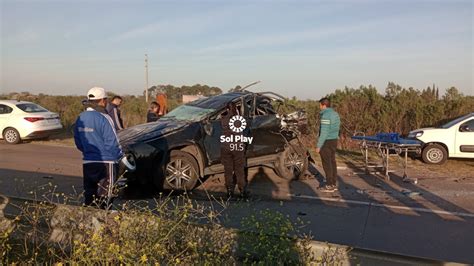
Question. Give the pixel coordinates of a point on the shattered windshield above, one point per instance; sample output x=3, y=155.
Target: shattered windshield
x=188, y=113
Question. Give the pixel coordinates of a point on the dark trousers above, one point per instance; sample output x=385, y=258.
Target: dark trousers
x=99, y=179
x=328, y=158
x=234, y=163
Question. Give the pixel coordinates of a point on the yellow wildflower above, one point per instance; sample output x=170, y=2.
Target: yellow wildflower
x=144, y=258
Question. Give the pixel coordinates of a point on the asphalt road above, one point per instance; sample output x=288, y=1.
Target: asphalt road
x=435, y=222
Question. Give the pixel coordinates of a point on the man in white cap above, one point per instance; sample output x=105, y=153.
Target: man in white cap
x=95, y=137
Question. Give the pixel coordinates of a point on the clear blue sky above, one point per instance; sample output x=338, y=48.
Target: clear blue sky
x=297, y=48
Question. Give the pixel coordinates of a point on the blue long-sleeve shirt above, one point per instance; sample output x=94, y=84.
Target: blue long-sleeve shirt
x=95, y=137
x=329, y=128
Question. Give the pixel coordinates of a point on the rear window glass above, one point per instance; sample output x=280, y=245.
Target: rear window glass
x=31, y=108
x=5, y=109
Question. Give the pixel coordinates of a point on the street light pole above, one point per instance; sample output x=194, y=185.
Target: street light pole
x=146, y=77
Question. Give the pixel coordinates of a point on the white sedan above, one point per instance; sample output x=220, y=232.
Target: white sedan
x=451, y=140
x=20, y=120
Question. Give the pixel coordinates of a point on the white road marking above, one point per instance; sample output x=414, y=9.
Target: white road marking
x=366, y=203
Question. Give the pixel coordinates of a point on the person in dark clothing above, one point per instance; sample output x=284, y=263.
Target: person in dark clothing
x=327, y=143
x=95, y=137
x=152, y=114
x=233, y=156
x=113, y=109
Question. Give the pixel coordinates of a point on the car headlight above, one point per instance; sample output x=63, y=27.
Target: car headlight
x=128, y=161
x=415, y=134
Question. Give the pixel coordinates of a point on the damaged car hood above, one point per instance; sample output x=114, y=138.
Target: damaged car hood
x=145, y=132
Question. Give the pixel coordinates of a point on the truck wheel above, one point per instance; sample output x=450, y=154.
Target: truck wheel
x=434, y=154
x=181, y=172
x=11, y=136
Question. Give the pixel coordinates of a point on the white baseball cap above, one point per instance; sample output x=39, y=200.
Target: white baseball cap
x=96, y=93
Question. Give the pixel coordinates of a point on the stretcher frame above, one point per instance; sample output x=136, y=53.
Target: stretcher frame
x=385, y=150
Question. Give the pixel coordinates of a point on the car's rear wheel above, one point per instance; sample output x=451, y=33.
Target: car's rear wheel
x=434, y=154
x=181, y=172
x=11, y=136
x=293, y=162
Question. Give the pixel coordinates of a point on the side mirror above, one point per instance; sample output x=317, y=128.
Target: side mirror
x=464, y=128
x=208, y=128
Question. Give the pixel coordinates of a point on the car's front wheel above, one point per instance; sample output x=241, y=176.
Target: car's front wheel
x=434, y=154
x=11, y=136
x=181, y=172
x=293, y=162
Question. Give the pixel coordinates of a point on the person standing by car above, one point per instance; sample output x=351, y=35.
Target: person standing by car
x=113, y=109
x=327, y=143
x=152, y=114
x=95, y=137
x=233, y=156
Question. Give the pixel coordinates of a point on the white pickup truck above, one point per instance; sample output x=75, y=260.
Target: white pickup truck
x=454, y=139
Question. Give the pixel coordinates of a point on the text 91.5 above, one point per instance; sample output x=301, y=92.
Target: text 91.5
x=237, y=146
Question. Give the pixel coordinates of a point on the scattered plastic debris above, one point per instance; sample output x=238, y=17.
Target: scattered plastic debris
x=410, y=193
x=411, y=180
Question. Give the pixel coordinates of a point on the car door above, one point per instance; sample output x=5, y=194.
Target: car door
x=265, y=130
x=5, y=114
x=213, y=132
x=465, y=138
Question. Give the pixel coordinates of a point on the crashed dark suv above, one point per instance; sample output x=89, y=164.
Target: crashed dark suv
x=184, y=145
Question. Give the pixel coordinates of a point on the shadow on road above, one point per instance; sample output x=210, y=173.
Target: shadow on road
x=408, y=194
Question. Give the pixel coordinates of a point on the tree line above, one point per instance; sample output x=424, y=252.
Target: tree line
x=363, y=109
x=397, y=110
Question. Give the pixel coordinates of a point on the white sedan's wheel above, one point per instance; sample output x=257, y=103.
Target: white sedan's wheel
x=11, y=136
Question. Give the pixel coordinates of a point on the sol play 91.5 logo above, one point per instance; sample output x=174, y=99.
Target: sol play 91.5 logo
x=237, y=124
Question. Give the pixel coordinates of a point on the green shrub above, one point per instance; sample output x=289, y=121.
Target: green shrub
x=268, y=238
x=361, y=110
x=175, y=231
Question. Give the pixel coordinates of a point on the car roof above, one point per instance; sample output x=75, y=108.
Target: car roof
x=14, y=102
x=218, y=101
x=467, y=115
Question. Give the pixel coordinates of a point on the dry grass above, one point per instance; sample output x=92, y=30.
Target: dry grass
x=170, y=231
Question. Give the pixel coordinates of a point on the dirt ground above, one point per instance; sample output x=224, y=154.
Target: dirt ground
x=448, y=187
x=432, y=218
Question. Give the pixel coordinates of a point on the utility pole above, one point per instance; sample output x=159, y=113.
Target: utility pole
x=146, y=77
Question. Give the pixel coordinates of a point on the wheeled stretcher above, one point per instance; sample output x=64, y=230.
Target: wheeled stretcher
x=386, y=145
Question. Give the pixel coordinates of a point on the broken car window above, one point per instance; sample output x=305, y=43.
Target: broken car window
x=188, y=113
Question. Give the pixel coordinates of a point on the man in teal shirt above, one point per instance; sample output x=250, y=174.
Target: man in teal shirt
x=327, y=143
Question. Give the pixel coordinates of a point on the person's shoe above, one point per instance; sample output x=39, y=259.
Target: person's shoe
x=230, y=193
x=245, y=194
x=328, y=189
